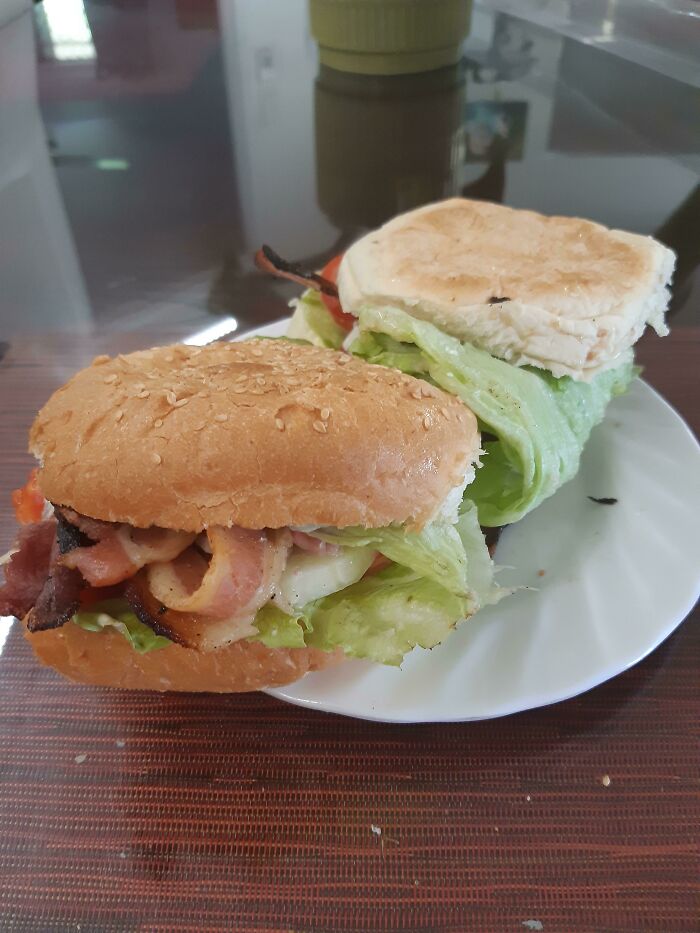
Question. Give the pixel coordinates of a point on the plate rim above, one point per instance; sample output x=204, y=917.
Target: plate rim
x=596, y=681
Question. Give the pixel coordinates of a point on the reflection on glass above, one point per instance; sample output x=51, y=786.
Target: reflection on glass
x=386, y=144
x=67, y=30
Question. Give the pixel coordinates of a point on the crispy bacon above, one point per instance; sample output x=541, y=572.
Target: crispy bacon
x=208, y=604
x=269, y=261
x=58, y=601
x=120, y=550
x=27, y=569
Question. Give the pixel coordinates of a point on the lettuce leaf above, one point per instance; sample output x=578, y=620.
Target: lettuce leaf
x=455, y=556
x=541, y=423
x=312, y=322
x=440, y=575
x=381, y=618
x=117, y=614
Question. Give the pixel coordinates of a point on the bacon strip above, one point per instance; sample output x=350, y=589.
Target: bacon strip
x=27, y=569
x=205, y=605
x=269, y=261
x=58, y=601
x=244, y=568
x=120, y=550
x=313, y=545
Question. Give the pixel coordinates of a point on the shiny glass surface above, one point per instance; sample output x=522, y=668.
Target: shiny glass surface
x=153, y=146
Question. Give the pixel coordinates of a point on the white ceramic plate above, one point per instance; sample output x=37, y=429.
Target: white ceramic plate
x=617, y=581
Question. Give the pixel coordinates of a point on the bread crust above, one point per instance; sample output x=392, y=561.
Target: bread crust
x=259, y=433
x=561, y=293
x=105, y=659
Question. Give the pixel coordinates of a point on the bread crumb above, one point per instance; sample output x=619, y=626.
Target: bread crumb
x=541, y=573
x=320, y=426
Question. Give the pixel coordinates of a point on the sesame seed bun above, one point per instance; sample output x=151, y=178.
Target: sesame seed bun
x=560, y=293
x=260, y=433
x=105, y=659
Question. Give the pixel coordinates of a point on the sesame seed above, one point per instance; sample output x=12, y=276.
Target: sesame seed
x=202, y=395
x=426, y=422
x=279, y=424
x=156, y=458
x=111, y=378
x=144, y=393
x=260, y=380
x=325, y=414
x=200, y=426
x=239, y=390
x=170, y=397
x=416, y=393
x=169, y=358
x=180, y=402
x=119, y=415
x=241, y=378
x=345, y=358
x=99, y=360
x=320, y=427
x=444, y=413
x=221, y=417
x=158, y=423
x=256, y=351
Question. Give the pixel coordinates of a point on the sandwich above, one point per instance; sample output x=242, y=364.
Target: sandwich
x=230, y=517
x=530, y=320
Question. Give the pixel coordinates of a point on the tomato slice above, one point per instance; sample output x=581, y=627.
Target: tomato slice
x=28, y=502
x=379, y=563
x=335, y=309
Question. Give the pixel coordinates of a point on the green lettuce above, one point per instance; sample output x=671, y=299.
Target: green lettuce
x=440, y=575
x=541, y=423
x=455, y=556
x=116, y=613
x=381, y=617
x=312, y=322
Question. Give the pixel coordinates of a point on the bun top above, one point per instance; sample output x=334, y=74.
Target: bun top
x=261, y=433
x=561, y=293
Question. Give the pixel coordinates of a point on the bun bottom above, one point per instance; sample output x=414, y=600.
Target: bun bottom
x=105, y=659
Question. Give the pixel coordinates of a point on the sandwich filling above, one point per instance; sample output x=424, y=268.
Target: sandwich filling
x=536, y=424
x=374, y=593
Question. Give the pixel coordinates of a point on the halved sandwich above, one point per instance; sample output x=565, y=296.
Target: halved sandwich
x=229, y=517
x=529, y=319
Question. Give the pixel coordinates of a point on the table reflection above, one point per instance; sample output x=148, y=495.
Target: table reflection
x=174, y=138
